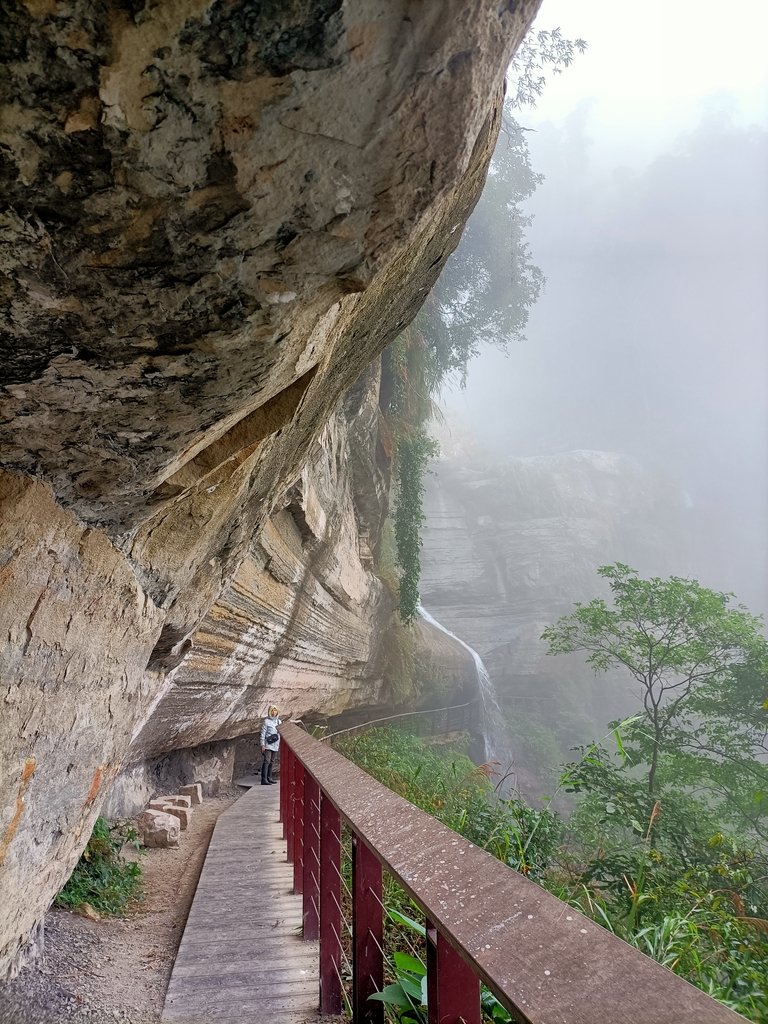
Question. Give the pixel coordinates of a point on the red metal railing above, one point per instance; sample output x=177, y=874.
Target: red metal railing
x=545, y=962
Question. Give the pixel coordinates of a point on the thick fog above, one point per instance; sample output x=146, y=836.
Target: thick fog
x=651, y=335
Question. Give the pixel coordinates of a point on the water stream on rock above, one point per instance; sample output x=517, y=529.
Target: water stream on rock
x=495, y=740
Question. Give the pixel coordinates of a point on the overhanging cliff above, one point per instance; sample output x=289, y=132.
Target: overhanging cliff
x=214, y=216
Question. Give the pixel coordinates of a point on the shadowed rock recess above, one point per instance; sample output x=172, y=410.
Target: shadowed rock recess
x=215, y=215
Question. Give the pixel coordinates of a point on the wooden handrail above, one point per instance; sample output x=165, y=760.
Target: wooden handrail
x=544, y=961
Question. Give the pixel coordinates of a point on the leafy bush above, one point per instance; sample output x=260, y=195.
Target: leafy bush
x=102, y=877
x=670, y=882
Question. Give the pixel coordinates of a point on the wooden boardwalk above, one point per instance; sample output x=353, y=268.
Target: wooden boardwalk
x=242, y=959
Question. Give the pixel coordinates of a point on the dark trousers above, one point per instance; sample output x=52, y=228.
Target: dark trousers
x=268, y=760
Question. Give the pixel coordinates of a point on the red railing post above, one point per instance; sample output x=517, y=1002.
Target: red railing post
x=283, y=782
x=453, y=988
x=298, y=826
x=311, y=881
x=330, y=908
x=367, y=935
x=290, y=766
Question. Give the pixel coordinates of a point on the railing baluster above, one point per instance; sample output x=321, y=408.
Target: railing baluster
x=330, y=908
x=282, y=780
x=453, y=989
x=311, y=848
x=367, y=935
x=298, y=826
x=290, y=766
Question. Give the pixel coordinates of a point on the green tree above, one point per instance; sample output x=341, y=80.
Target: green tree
x=541, y=52
x=701, y=669
x=720, y=745
x=490, y=283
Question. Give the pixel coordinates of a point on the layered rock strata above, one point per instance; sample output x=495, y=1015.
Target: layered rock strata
x=215, y=214
x=302, y=622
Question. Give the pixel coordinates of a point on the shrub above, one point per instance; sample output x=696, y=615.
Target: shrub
x=102, y=876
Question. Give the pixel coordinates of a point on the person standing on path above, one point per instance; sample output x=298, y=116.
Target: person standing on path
x=270, y=744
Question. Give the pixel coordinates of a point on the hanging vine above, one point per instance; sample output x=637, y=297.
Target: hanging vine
x=413, y=453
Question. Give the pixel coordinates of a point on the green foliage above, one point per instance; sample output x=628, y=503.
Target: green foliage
x=539, y=53
x=490, y=284
x=692, y=898
x=409, y=372
x=413, y=454
x=688, y=651
x=446, y=784
x=669, y=881
x=102, y=877
x=664, y=846
x=407, y=994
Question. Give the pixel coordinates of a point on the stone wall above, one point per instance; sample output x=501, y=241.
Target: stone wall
x=216, y=214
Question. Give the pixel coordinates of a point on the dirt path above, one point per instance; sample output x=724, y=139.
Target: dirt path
x=116, y=970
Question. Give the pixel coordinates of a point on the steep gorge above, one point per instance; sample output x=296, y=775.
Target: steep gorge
x=215, y=215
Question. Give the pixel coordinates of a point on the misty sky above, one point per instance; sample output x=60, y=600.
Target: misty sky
x=651, y=337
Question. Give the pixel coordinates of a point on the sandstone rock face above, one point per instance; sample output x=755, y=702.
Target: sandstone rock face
x=510, y=546
x=216, y=215
x=200, y=194
x=302, y=622
x=211, y=764
x=77, y=633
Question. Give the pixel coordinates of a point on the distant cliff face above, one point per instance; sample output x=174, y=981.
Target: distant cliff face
x=216, y=215
x=511, y=545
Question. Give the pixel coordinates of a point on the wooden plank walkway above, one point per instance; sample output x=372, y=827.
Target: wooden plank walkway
x=242, y=959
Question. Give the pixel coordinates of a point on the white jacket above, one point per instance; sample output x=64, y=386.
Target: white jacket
x=270, y=725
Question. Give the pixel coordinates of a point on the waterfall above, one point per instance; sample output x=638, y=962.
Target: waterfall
x=495, y=742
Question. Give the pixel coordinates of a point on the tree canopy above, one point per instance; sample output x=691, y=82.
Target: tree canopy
x=701, y=666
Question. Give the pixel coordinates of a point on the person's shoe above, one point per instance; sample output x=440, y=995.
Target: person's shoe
x=271, y=782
